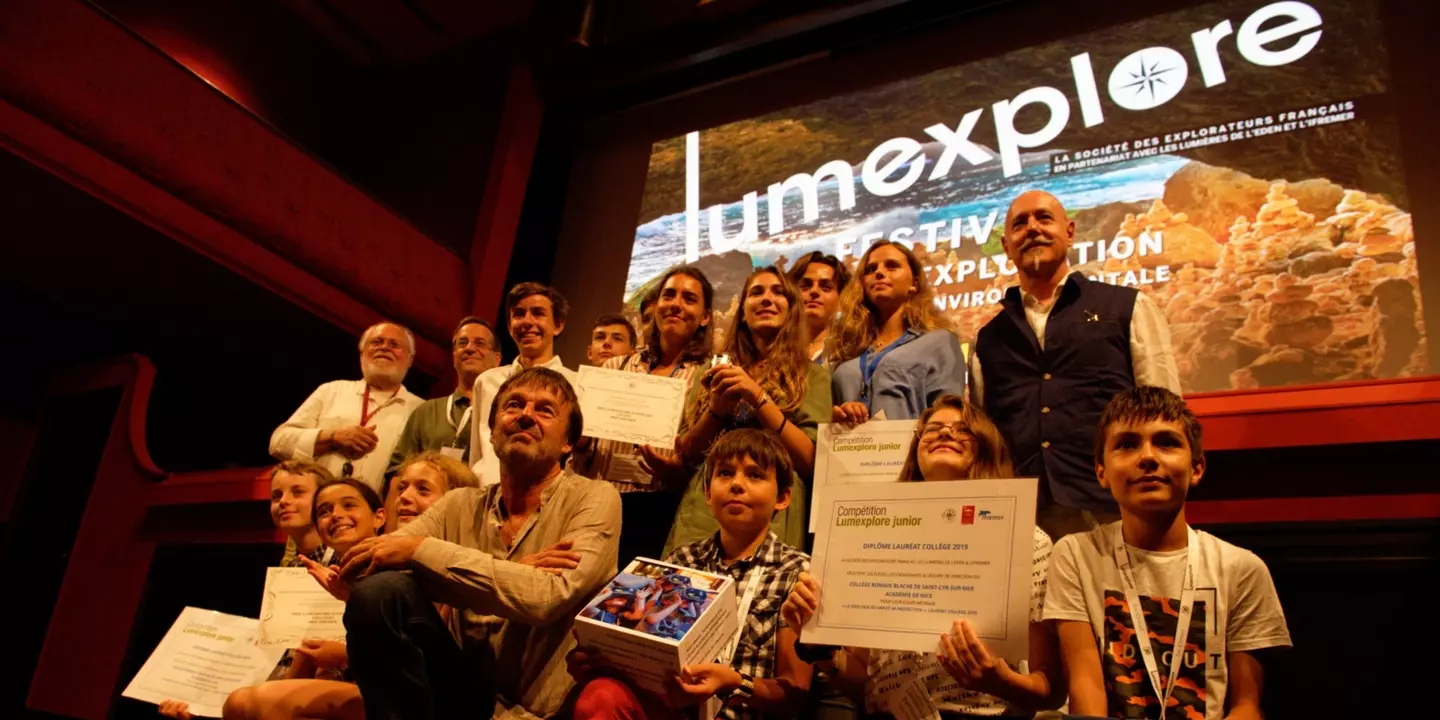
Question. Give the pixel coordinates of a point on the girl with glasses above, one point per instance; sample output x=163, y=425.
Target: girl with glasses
x=953, y=441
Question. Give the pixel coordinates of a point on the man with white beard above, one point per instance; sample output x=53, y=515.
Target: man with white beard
x=351, y=426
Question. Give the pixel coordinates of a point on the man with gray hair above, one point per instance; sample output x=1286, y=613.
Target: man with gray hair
x=351, y=426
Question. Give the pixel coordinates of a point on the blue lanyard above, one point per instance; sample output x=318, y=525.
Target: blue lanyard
x=867, y=367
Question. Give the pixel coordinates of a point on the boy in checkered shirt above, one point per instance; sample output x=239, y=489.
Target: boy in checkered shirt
x=762, y=678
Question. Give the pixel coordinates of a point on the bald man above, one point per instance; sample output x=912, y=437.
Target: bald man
x=351, y=426
x=1062, y=346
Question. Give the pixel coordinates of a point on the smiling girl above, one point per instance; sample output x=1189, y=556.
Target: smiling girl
x=953, y=441
x=345, y=512
x=769, y=383
x=678, y=338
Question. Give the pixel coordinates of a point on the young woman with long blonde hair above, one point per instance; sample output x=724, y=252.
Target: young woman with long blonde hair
x=892, y=350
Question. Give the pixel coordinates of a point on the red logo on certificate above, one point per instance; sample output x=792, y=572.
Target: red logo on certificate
x=967, y=515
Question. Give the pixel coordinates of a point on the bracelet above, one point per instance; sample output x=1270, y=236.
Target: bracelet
x=739, y=695
x=783, y=422
x=764, y=398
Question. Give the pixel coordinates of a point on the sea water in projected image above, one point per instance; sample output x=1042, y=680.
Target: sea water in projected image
x=660, y=243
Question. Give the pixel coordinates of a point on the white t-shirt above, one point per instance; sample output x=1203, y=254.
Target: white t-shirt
x=886, y=666
x=1236, y=610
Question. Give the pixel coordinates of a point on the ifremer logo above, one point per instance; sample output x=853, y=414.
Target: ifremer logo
x=987, y=515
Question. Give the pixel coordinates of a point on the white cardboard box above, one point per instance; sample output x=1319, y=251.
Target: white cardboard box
x=645, y=623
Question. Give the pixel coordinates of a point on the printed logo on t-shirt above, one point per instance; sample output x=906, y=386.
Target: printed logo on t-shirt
x=1127, y=684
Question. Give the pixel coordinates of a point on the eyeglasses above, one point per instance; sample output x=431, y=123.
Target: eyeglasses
x=958, y=430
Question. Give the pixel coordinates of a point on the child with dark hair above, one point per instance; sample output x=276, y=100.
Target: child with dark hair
x=611, y=336
x=763, y=381
x=758, y=675
x=293, y=484
x=678, y=338
x=1155, y=618
x=313, y=681
x=821, y=278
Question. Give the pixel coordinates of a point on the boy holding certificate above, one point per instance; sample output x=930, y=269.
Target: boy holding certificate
x=758, y=675
x=1157, y=619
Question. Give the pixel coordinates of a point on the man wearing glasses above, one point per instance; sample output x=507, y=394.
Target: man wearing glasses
x=351, y=426
x=443, y=424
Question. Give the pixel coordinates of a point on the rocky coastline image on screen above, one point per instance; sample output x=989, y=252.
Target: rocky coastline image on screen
x=1266, y=214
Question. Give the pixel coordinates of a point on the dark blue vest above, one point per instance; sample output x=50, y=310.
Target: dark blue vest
x=1047, y=403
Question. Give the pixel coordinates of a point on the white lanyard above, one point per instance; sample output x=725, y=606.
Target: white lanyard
x=450, y=414
x=752, y=583
x=1137, y=616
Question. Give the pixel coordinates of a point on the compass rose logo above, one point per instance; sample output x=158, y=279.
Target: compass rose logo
x=1148, y=78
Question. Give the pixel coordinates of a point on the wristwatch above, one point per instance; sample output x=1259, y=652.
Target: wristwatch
x=743, y=693
x=811, y=654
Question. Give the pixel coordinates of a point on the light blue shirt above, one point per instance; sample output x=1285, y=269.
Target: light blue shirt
x=908, y=378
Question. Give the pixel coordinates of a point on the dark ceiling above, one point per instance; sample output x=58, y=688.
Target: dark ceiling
x=403, y=97
x=90, y=283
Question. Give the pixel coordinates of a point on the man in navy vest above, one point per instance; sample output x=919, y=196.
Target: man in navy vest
x=1061, y=347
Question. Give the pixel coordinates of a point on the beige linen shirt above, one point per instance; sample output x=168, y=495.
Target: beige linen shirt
x=512, y=619
x=336, y=405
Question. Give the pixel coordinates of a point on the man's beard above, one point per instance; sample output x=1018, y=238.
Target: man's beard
x=519, y=460
x=374, y=373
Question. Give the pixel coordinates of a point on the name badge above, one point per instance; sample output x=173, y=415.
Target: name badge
x=453, y=452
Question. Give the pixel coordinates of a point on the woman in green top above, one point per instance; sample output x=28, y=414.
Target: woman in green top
x=769, y=383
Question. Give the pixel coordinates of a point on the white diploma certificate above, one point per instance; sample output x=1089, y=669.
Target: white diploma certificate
x=899, y=562
x=295, y=607
x=631, y=407
x=871, y=452
x=204, y=657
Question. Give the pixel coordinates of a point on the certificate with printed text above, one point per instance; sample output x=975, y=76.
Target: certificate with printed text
x=899, y=562
x=295, y=607
x=204, y=657
x=870, y=452
x=631, y=407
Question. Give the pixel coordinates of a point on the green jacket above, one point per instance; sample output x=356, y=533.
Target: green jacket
x=693, y=520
